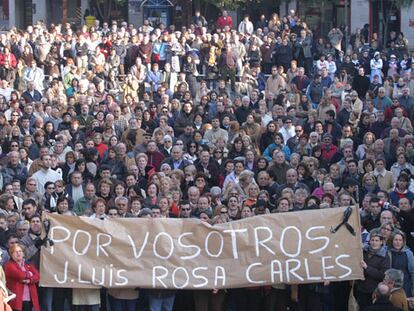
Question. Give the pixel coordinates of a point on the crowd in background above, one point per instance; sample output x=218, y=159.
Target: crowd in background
x=217, y=122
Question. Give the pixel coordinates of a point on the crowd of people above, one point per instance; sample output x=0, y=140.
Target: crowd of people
x=212, y=121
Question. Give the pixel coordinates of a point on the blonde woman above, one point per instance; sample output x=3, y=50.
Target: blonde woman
x=15, y=133
x=368, y=142
x=252, y=194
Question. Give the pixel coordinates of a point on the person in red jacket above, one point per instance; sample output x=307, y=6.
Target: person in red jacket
x=21, y=279
x=8, y=64
x=224, y=20
x=8, y=59
x=328, y=148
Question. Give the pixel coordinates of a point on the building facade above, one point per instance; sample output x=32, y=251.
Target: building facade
x=366, y=12
x=323, y=15
x=27, y=12
x=177, y=12
x=319, y=15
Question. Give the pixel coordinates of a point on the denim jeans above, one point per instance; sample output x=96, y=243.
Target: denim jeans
x=122, y=304
x=161, y=304
x=46, y=298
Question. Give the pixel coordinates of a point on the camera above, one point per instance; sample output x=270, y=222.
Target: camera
x=385, y=205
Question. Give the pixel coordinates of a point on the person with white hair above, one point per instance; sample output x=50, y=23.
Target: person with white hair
x=175, y=160
x=394, y=279
x=244, y=110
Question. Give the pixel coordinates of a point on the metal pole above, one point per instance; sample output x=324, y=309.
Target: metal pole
x=346, y=28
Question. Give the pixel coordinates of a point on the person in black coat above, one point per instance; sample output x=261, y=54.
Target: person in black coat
x=185, y=118
x=376, y=261
x=118, y=168
x=176, y=160
x=209, y=167
x=361, y=83
x=268, y=137
x=372, y=219
x=283, y=54
x=331, y=126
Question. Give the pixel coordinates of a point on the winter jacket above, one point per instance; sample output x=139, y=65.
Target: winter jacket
x=407, y=269
x=18, y=172
x=268, y=153
x=121, y=51
x=283, y=55
x=382, y=304
x=11, y=59
x=182, y=121
x=305, y=45
x=117, y=168
x=315, y=92
x=14, y=276
x=377, y=264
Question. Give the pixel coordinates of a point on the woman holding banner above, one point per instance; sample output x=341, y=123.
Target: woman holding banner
x=376, y=261
x=21, y=279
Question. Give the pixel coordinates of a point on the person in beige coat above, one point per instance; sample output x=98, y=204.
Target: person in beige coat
x=356, y=104
x=324, y=106
x=405, y=123
x=385, y=179
x=274, y=84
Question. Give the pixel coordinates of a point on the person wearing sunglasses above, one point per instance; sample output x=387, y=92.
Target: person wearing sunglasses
x=185, y=210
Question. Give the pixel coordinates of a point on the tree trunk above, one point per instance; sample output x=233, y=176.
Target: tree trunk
x=383, y=24
x=98, y=7
x=109, y=8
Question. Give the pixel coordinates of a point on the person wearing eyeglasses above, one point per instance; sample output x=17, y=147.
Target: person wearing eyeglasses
x=185, y=210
